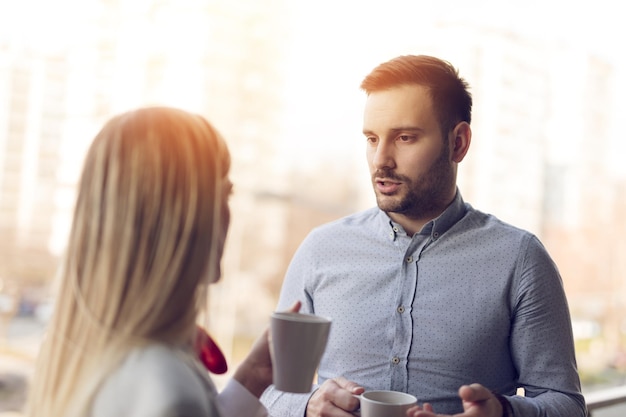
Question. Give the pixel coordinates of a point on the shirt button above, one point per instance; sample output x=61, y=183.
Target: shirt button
x=395, y=360
x=436, y=235
x=395, y=229
x=409, y=259
x=401, y=309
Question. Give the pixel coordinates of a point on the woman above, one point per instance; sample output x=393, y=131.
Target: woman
x=147, y=237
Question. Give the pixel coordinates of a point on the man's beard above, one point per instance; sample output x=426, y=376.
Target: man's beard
x=427, y=195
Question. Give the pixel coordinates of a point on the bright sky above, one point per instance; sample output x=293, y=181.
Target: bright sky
x=332, y=25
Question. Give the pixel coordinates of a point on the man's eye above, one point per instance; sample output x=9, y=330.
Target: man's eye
x=405, y=138
x=372, y=139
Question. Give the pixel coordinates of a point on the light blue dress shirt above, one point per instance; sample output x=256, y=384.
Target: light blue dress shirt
x=467, y=299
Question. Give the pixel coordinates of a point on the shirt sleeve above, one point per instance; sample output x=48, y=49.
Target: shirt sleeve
x=542, y=343
x=284, y=404
x=236, y=401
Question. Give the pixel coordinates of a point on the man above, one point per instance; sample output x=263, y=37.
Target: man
x=428, y=295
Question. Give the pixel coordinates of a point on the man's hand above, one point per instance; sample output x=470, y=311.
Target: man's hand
x=478, y=401
x=334, y=398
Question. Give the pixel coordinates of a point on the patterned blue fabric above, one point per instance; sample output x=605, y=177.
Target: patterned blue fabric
x=467, y=299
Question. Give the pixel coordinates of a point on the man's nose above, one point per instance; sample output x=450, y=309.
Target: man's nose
x=383, y=156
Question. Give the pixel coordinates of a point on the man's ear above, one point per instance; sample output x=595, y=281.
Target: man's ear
x=461, y=139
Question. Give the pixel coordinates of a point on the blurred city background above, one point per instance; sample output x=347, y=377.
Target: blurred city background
x=279, y=79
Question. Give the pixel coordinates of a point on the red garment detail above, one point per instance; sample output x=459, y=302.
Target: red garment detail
x=209, y=353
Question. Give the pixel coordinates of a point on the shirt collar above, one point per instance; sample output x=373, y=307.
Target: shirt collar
x=437, y=226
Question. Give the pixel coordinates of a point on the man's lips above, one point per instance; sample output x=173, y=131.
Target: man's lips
x=386, y=186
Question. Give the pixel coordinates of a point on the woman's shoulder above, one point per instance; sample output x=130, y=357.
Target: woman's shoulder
x=156, y=380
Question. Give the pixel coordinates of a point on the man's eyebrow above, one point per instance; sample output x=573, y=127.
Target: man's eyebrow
x=411, y=129
x=396, y=130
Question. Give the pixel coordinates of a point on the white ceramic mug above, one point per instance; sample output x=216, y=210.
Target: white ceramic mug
x=382, y=403
x=297, y=343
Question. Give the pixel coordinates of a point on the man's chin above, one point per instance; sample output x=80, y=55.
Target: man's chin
x=388, y=204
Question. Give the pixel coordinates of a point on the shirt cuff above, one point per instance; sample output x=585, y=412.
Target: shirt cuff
x=507, y=409
x=236, y=401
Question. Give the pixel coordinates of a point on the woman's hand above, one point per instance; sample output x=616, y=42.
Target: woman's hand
x=255, y=372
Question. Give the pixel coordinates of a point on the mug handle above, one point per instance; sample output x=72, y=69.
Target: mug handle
x=357, y=412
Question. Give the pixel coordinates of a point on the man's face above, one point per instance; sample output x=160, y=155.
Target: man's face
x=410, y=162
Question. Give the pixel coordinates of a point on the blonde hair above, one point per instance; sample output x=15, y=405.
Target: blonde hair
x=147, y=236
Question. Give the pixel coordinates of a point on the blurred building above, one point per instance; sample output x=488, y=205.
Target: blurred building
x=32, y=94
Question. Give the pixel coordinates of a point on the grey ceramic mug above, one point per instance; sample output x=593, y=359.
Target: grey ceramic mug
x=297, y=343
x=385, y=403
